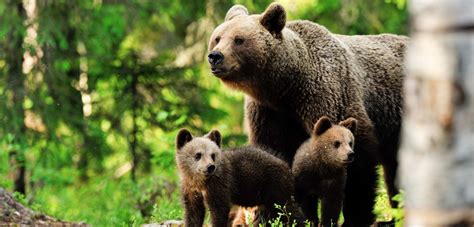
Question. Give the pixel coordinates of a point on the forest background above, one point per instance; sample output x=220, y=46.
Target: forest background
x=92, y=94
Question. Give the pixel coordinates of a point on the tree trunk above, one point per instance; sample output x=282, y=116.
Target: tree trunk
x=437, y=151
x=15, y=79
x=133, y=136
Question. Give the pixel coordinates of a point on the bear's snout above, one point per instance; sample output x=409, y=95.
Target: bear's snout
x=215, y=58
x=210, y=169
x=350, y=156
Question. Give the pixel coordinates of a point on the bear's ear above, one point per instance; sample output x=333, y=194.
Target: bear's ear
x=215, y=136
x=236, y=10
x=350, y=123
x=274, y=19
x=183, y=137
x=322, y=125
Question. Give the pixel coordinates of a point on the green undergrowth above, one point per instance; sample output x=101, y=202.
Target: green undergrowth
x=110, y=201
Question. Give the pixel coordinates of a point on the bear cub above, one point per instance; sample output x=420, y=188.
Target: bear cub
x=319, y=169
x=245, y=176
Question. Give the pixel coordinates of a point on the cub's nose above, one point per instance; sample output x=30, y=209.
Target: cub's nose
x=211, y=168
x=215, y=57
x=351, y=156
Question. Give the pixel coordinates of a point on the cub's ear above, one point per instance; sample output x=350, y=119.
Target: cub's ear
x=350, y=123
x=215, y=136
x=274, y=19
x=183, y=137
x=236, y=10
x=322, y=125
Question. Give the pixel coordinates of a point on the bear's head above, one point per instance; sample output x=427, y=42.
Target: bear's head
x=198, y=157
x=334, y=142
x=241, y=45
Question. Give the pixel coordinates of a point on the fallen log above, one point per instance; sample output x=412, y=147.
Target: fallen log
x=13, y=213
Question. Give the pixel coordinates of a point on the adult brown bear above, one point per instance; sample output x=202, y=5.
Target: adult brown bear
x=293, y=73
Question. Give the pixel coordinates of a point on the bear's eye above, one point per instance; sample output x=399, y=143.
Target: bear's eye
x=213, y=156
x=337, y=144
x=238, y=41
x=197, y=156
x=218, y=39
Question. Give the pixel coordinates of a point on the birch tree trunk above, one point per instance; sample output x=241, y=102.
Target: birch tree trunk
x=437, y=151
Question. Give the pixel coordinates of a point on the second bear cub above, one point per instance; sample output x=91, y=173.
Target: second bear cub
x=244, y=176
x=319, y=169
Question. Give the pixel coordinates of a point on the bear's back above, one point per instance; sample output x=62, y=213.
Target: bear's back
x=319, y=38
x=381, y=58
x=375, y=61
x=254, y=172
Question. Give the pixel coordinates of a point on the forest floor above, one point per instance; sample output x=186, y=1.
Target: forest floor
x=159, y=204
x=13, y=213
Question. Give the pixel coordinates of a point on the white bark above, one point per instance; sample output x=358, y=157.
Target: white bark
x=437, y=151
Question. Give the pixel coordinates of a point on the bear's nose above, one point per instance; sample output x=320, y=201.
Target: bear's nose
x=351, y=156
x=211, y=168
x=215, y=57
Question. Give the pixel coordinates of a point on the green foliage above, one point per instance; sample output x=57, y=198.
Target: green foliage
x=94, y=115
x=283, y=213
x=101, y=201
x=167, y=209
x=398, y=213
x=382, y=208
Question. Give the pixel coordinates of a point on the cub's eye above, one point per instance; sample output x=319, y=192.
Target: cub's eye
x=238, y=41
x=197, y=156
x=218, y=39
x=337, y=144
x=213, y=156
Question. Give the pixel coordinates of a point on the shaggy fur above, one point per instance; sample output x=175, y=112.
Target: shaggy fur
x=296, y=73
x=319, y=169
x=244, y=176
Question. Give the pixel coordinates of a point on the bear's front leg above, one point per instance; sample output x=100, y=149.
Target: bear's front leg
x=307, y=201
x=360, y=195
x=272, y=129
x=219, y=206
x=309, y=205
x=361, y=175
x=390, y=165
x=194, y=208
x=331, y=204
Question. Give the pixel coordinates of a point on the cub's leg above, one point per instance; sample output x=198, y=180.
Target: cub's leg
x=331, y=206
x=309, y=205
x=219, y=203
x=194, y=208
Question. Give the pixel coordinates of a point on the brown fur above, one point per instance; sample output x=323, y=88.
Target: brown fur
x=243, y=216
x=244, y=176
x=319, y=169
x=295, y=75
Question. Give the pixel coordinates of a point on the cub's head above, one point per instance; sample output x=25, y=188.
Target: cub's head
x=335, y=141
x=198, y=157
x=242, y=43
